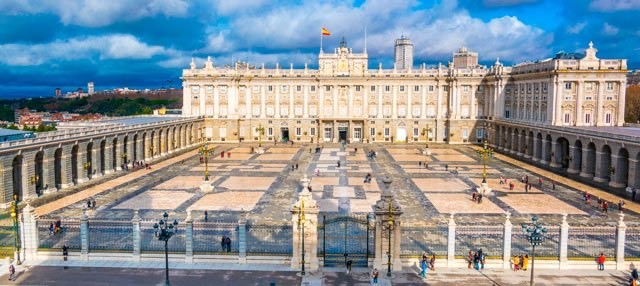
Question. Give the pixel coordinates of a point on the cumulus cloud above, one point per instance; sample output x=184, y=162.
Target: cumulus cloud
x=503, y=3
x=614, y=5
x=96, y=13
x=227, y=7
x=609, y=29
x=117, y=46
x=577, y=28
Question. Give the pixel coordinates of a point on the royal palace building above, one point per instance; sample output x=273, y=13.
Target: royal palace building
x=344, y=100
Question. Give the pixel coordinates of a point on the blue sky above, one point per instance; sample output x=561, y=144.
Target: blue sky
x=46, y=44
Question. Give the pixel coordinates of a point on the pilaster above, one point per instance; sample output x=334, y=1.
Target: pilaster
x=451, y=242
x=506, y=246
x=304, y=215
x=572, y=164
x=620, y=241
x=242, y=240
x=564, y=239
x=84, y=236
x=135, y=221
x=188, y=237
x=29, y=233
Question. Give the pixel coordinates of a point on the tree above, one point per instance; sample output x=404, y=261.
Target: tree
x=632, y=107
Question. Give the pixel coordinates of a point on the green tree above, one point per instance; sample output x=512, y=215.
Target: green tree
x=632, y=104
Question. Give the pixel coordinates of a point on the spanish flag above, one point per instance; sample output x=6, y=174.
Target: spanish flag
x=325, y=32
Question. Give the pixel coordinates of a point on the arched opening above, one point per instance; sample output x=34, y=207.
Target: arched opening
x=159, y=144
x=548, y=146
x=516, y=140
x=88, y=166
x=103, y=155
x=621, y=169
x=152, y=143
x=166, y=142
x=57, y=166
x=606, y=169
x=590, y=167
x=562, y=152
x=125, y=151
x=528, y=148
x=174, y=141
x=538, y=146
x=39, y=172
x=74, y=164
x=135, y=148
x=114, y=154
x=509, y=138
x=16, y=177
x=523, y=142
x=576, y=160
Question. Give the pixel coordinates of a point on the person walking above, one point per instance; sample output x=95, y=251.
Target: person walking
x=476, y=261
x=374, y=275
x=349, y=265
x=601, y=260
x=65, y=252
x=469, y=259
x=423, y=266
x=432, y=262
x=525, y=262
x=12, y=272
x=206, y=216
x=223, y=242
x=227, y=241
x=516, y=263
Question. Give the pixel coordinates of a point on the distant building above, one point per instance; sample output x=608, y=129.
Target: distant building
x=31, y=119
x=465, y=59
x=58, y=92
x=633, y=78
x=90, y=88
x=403, y=59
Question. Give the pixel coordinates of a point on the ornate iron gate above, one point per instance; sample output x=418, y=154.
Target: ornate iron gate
x=346, y=237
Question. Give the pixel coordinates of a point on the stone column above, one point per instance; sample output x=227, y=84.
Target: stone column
x=601, y=176
x=148, y=151
x=65, y=167
x=388, y=213
x=95, y=161
x=29, y=233
x=242, y=239
x=634, y=177
x=306, y=206
x=108, y=157
x=506, y=246
x=621, y=85
x=579, y=120
x=188, y=237
x=84, y=236
x=28, y=171
x=620, y=241
x=545, y=151
x=49, y=171
x=136, y=236
x=536, y=146
x=451, y=242
x=572, y=154
x=82, y=159
x=119, y=153
x=586, y=154
x=129, y=152
x=564, y=239
x=554, y=156
x=617, y=179
x=515, y=140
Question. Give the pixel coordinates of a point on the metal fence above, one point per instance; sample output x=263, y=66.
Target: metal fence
x=416, y=240
x=587, y=242
x=549, y=249
x=265, y=239
x=149, y=243
x=632, y=244
x=69, y=235
x=110, y=235
x=489, y=238
x=207, y=237
x=7, y=241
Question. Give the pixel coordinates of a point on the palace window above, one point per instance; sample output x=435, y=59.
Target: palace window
x=567, y=118
x=607, y=118
x=387, y=132
x=445, y=88
x=373, y=131
x=298, y=88
x=431, y=88
x=270, y=131
x=416, y=88
x=328, y=88
x=587, y=118
x=609, y=85
x=357, y=88
x=298, y=131
x=312, y=131
x=387, y=88
x=415, y=132
x=465, y=88
x=373, y=88
x=284, y=88
x=567, y=85
x=402, y=88
x=209, y=89
x=270, y=88
x=313, y=88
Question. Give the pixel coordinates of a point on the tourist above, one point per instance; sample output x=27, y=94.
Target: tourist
x=338, y=164
x=227, y=241
x=476, y=261
x=228, y=154
x=206, y=216
x=309, y=188
x=65, y=252
x=525, y=262
x=446, y=167
x=479, y=198
x=423, y=267
x=57, y=226
x=469, y=259
x=601, y=260
x=481, y=256
x=223, y=242
x=296, y=166
x=526, y=179
x=553, y=184
x=89, y=203
x=511, y=186
x=526, y=188
x=374, y=275
x=521, y=262
x=12, y=272
x=516, y=262
x=634, y=274
x=540, y=182
x=51, y=229
x=605, y=206
x=620, y=205
x=425, y=255
x=349, y=265
x=474, y=196
x=432, y=262
x=419, y=163
x=317, y=172
x=93, y=204
x=501, y=182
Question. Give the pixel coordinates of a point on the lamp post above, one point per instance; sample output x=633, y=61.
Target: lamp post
x=389, y=227
x=485, y=154
x=164, y=231
x=301, y=221
x=34, y=179
x=87, y=168
x=534, y=233
x=16, y=229
x=206, y=151
x=426, y=135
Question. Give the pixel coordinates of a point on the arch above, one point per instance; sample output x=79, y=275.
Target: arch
x=57, y=166
x=561, y=152
x=528, y=148
x=103, y=156
x=74, y=164
x=606, y=169
x=152, y=143
x=114, y=154
x=166, y=141
x=16, y=176
x=576, y=159
x=523, y=142
x=125, y=150
x=509, y=139
x=538, y=146
x=515, y=140
x=89, y=167
x=590, y=165
x=39, y=172
x=621, y=171
x=547, y=148
x=135, y=155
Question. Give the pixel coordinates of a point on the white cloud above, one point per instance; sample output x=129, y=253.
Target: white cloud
x=502, y=3
x=609, y=29
x=96, y=13
x=577, y=28
x=116, y=46
x=229, y=7
x=614, y=5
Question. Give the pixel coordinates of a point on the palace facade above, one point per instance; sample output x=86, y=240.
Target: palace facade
x=344, y=100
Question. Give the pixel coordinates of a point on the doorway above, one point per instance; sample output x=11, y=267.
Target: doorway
x=328, y=134
x=342, y=134
x=357, y=134
x=285, y=134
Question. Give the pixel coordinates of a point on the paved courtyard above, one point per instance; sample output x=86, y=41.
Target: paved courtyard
x=263, y=186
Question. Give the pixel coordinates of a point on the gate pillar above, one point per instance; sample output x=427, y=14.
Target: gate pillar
x=304, y=219
x=387, y=239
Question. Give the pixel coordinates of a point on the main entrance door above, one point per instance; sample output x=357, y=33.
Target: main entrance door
x=346, y=237
x=342, y=134
x=285, y=134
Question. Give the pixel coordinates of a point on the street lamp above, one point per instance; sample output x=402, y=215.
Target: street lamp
x=16, y=230
x=301, y=221
x=206, y=151
x=34, y=179
x=389, y=227
x=426, y=135
x=87, y=166
x=164, y=231
x=260, y=130
x=485, y=153
x=534, y=233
